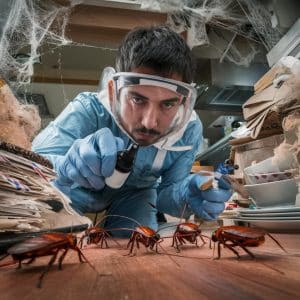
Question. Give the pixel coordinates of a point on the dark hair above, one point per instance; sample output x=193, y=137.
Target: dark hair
x=159, y=48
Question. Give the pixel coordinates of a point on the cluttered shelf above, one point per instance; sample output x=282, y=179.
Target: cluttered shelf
x=190, y=274
x=265, y=152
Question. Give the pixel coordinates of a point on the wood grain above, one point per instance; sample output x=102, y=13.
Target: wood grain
x=272, y=275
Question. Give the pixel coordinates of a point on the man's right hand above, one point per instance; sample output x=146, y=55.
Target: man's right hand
x=90, y=160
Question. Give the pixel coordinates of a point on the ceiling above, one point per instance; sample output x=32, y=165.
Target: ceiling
x=96, y=28
x=96, y=32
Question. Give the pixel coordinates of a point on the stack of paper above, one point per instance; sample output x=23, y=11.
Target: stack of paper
x=28, y=201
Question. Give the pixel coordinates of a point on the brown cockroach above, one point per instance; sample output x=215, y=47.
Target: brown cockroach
x=44, y=245
x=95, y=235
x=149, y=238
x=240, y=236
x=140, y=234
x=145, y=235
x=187, y=232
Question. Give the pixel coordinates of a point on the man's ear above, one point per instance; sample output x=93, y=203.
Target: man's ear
x=110, y=91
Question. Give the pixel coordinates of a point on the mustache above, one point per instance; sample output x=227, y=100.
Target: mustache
x=147, y=131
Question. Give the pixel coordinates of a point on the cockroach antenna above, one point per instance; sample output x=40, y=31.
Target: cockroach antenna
x=280, y=246
x=183, y=211
x=169, y=255
x=95, y=219
x=119, y=216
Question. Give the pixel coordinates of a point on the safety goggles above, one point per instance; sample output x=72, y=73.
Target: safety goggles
x=177, y=108
x=123, y=79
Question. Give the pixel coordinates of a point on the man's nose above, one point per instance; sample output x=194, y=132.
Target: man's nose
x=150, y=118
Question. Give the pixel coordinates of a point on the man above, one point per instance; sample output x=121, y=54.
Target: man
x=149, y=102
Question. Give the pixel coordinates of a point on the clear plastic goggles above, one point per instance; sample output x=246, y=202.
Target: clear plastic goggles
x=150, y=108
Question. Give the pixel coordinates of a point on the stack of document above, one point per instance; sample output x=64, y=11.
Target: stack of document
x=28, y=200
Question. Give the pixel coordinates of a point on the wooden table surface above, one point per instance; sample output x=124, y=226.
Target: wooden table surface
x=272, y=275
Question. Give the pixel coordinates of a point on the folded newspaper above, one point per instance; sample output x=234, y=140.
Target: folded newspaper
x=28, y=200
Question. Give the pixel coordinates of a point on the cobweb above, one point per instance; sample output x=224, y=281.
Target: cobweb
x=33, y=23
x=29, y=24
x=244, y=18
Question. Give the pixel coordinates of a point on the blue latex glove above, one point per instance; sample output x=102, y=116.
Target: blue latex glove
x=210, y=203
x=90, y=160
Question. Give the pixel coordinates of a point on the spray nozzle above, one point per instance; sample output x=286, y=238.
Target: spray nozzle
x=125, y=159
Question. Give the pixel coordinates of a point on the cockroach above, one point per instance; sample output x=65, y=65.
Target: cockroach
x=44, y=245
x=140, y=234
x=187, y=232
x=95, y=235
x=149, y=238
x=240, y=236
x=145, y=235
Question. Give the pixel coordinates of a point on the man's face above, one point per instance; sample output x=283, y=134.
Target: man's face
x=146, y=112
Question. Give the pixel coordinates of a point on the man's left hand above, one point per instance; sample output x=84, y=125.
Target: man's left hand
x=210, y=203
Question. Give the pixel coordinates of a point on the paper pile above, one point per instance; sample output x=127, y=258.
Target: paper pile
x=265, y=110
x=28, y=201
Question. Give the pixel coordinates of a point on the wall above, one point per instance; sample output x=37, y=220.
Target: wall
x=57, y=95
x=209, y=116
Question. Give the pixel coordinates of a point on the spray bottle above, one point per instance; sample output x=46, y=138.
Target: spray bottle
x=125, y=159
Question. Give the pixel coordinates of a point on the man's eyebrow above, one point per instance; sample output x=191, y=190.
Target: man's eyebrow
x=136, y=94
x=132, y=93
x=173, y=99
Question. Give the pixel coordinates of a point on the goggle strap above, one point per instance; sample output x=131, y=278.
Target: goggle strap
x=128, y=80
x=168, y=86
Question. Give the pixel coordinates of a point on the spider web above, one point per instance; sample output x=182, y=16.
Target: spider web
x=29, y=24
x=33, y=23
x=244, y=18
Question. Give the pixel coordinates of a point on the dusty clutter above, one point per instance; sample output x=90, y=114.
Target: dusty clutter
x=28, y=201
x=19, y=123
x=267, y=149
